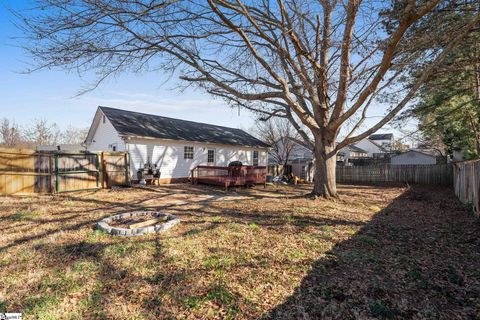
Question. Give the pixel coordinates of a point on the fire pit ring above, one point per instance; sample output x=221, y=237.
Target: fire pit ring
x=170, y=221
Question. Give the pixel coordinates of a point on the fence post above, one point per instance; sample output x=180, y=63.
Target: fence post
x=103, y=170
x=51, y=170
x=56, y=173
x=127, y=169
x=98, y=169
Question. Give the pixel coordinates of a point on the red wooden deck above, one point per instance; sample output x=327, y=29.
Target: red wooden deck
x=229, y=176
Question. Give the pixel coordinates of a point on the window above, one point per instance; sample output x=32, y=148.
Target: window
x=211, y=156
x=255, y=158
x=188, y=152
x=114, y=148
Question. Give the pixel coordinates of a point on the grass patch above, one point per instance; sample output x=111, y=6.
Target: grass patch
x=253, y=225
x=375, y=208
x=24, y=215
x=379, y=309
x=277, y=253
x=366, y=239
x=192, y=232
x=94, y=236
x=415, y=274
x=216, y=263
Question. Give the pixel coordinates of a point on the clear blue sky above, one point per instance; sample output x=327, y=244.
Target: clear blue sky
x=51, y=94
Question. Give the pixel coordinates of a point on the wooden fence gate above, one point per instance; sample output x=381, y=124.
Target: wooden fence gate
x=25, y=171
x=115, y=169
x=74, y=172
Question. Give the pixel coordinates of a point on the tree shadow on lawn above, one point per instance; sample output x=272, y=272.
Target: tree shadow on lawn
x=417, y=258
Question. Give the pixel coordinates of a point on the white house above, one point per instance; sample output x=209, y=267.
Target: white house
x=351, y=152
x=298, y=151
x=373, y=149
x=385, y=140
x=414, y=157
x=175, y=146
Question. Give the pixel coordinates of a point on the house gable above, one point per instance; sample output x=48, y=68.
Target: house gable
x=103, y=136
x=370, y=147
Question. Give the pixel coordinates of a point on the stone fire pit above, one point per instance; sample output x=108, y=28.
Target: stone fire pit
x=137, y=223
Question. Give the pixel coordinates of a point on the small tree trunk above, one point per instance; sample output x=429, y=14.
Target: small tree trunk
x=477, y=139
x=324, y=184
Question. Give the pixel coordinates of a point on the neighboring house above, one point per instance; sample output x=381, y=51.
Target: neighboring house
x=298, y=150
x=300, y=159
x=351, y=152
x=373, y=149
x=384, y=140
x=175, y=146
x=415, y=157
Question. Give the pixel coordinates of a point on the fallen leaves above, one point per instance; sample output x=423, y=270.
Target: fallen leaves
x=378, y=252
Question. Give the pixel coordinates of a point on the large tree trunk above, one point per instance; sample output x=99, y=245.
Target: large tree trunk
x=324, y=183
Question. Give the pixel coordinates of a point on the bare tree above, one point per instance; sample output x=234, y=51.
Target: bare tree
x=281, y=135
x=10, y=133
x=318, y=63
x=42, y=133
x=73, y=135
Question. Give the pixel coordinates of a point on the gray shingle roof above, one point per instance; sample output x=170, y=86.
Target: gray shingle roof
x=129, y=123
x=381, y=136
x=354, y=148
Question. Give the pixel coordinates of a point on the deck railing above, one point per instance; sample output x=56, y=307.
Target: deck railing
x=229, y=176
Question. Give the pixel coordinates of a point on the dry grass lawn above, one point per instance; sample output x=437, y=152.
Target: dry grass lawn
x=378, y=252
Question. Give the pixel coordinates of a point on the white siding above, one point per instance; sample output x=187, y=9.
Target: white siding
x=105, y=137
x=297, y=151
x=368, y=146
x=412, y=157
x=168, y=155
x=300, y=152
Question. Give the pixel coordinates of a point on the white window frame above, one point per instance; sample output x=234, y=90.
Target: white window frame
x=187, y=154
x=214, y=156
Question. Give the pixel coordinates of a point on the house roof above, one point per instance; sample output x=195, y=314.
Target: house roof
x=299, y=142
x=354, y=148
x=381, y=136
x=376, y=144
x=129, y=123
x=427, y=152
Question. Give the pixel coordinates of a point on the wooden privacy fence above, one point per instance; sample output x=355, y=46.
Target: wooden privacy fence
x=24, y=171
x=466, y=183
x=440, y=174
x=115, y=169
